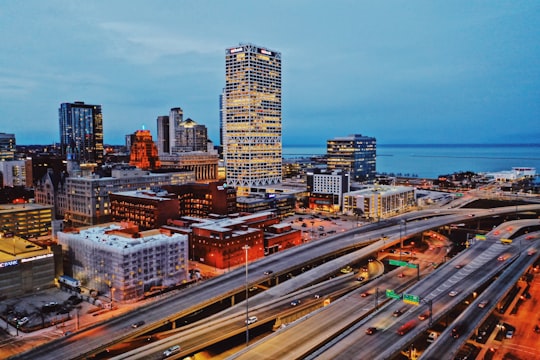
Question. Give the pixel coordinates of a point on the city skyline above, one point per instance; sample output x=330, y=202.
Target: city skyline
x=428, y=73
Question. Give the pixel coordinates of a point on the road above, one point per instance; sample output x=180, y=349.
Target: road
x=191, y=299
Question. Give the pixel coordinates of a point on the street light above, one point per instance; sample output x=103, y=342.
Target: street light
x=246, y=248
x=401, y=223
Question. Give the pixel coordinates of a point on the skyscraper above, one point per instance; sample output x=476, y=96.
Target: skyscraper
x=7, y=146
x=252, y=117
x=355, y=154
x=81, y=132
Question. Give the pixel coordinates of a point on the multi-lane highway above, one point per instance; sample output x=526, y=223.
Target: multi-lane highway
x=223, y=287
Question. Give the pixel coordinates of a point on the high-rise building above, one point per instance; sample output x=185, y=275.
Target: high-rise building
x=176, y=135
x=163, y=133
x=354, y=153
x=7, y=146
x=81, y=132
x=252, y=117
x=143, y=151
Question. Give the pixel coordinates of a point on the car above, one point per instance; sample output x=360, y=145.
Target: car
x=251, y=320
x=22, y=321
x=510, y=334
x=137, y=324
x=453, y=293
x=346, y=270
x=397, y=313
x=295, y=302
x=268, y=272
x=360, y=278
x=371, y=330
x=364, y=294
x=501, y=258
x=459, y=266
x=482, y=304
x=171, y=351
x=423, y=316
x=316, y=296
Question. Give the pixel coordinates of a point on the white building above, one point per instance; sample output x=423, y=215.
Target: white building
x=379, y=201
x=123, y=263
x=515, y=174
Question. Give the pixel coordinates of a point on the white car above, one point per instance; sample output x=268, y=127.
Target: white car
x=251, y=320
x=453, y=293
x=171, y=351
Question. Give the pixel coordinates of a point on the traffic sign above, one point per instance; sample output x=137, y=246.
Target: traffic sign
x=411, y=299
x=391, y=294
x=397, y=262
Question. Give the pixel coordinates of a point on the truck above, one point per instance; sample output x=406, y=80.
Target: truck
x=405, y=328
x=68, y=281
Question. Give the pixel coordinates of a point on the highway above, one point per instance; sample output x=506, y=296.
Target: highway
x=189, y=300
x=464, y=274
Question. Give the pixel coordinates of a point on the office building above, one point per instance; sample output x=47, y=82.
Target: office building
x=252, y=117
x=7, y=146
x=203, y=200
x=25, y=267
x=149, y=209
x=85, y=201
x=326, y=189
x=81, y=132
x=163, y=133
x=379, y=202
x=143, y=151
x=122, y=262
x=220, y=242
x=354, y=153
x=16, y=173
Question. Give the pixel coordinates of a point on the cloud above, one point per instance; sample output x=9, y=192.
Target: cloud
x=144, y=44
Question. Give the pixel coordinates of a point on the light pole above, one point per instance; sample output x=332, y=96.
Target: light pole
x=246, y=248
x=401, y=223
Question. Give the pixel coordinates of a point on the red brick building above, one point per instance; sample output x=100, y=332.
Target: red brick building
x=143, y=151
x=220, y=242
x=148, y=209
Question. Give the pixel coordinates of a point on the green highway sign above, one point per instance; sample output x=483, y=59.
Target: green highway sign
x=411, y=299
x=397, y=262
x=391, y=294
x=402, y=263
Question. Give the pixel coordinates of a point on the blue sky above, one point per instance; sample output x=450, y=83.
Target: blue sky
x=401, y=71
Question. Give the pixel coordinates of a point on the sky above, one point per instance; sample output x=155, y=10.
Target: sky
x=404, y=72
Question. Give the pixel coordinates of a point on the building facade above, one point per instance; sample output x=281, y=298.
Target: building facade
x=16, y=173
x=146, y=208
x=380, y=201
x=143, y=151
x=252, y=123
x=326, y=189
x=356, y=154
x=7, y=146
x=28, y=221
x=81, y=132
x=25, y=267
x=220, y=242
x=203, y=200
x=83, y=201
x=121, y=262
x=203, y=164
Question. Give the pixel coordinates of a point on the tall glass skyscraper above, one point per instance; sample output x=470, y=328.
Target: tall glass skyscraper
x=252, y=145
x=81, y=132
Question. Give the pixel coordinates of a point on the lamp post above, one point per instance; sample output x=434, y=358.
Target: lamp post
x=246, y=248
x=401, y=223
